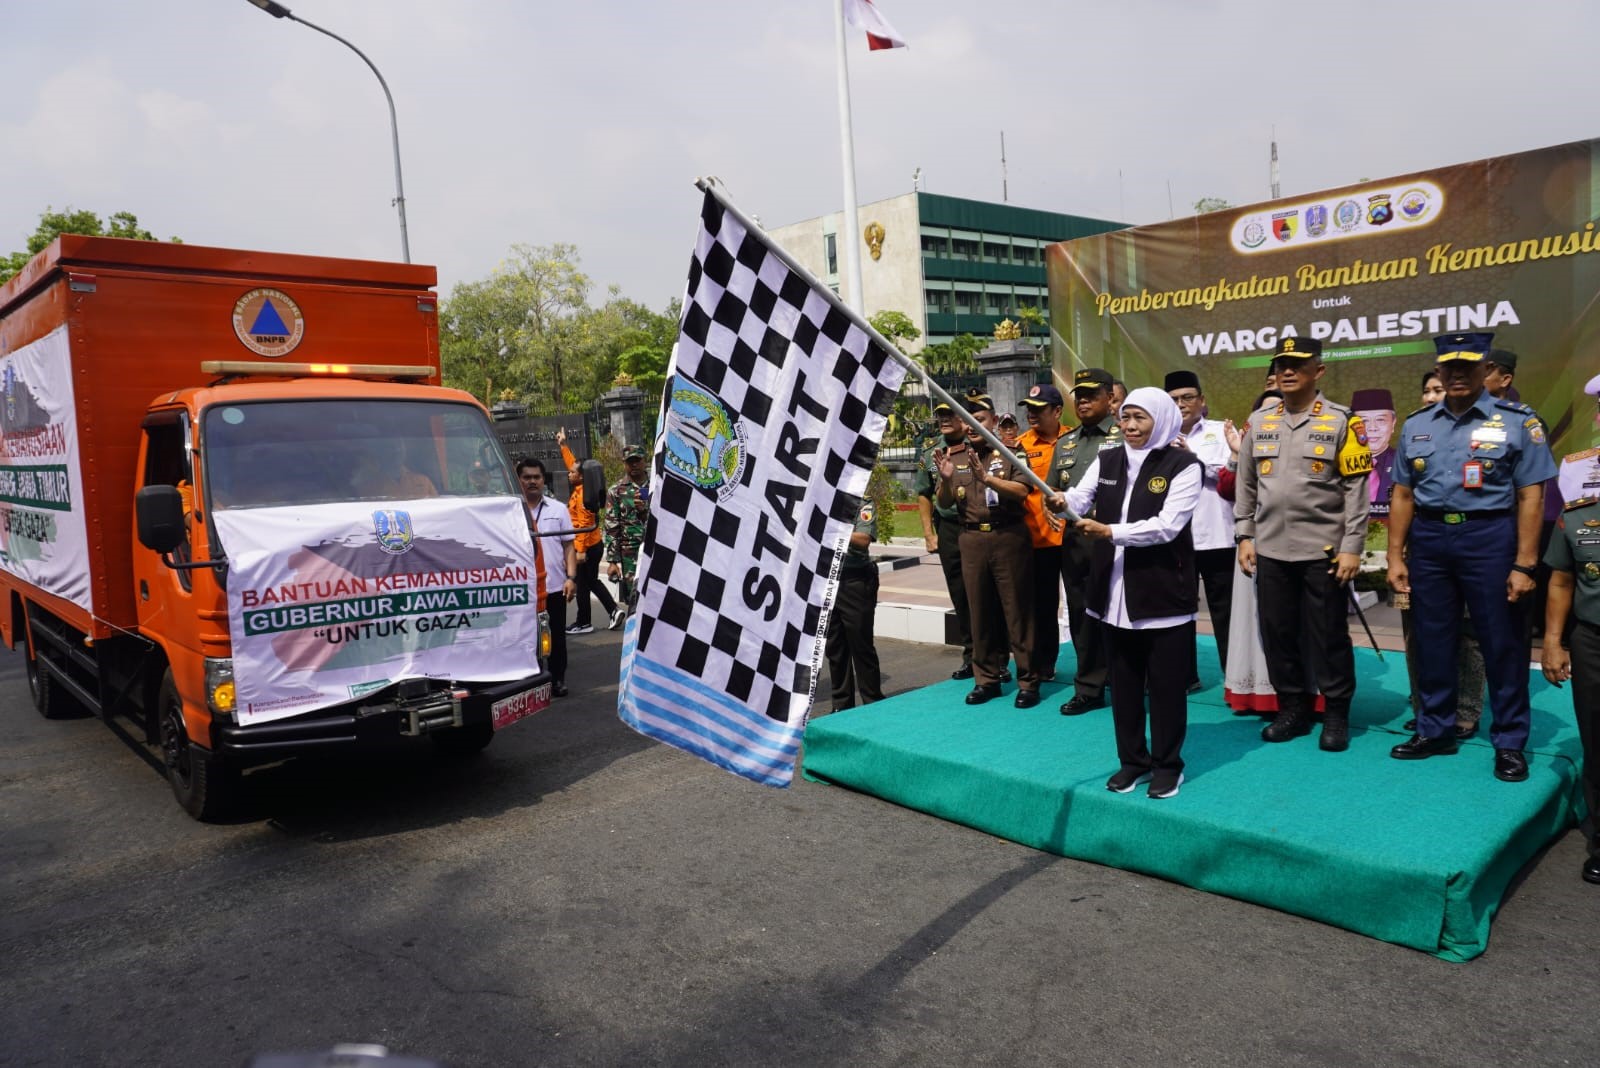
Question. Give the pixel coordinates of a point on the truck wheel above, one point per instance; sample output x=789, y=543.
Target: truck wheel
x=49, y=698
x=459, y=742
x=200, y=778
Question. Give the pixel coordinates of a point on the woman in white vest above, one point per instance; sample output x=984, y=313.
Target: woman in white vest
x=1137, y=501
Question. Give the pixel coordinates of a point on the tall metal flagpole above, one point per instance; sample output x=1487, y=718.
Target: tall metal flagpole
x=714, y=187
x=847, y=151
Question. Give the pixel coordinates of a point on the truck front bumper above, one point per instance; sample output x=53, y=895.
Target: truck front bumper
x=379, y=718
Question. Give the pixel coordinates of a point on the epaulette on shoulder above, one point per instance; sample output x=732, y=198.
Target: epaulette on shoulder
x=1345, y=408
x=1514, y=406
x=1577, y=457
x=1420, y=410
x=1581, y=502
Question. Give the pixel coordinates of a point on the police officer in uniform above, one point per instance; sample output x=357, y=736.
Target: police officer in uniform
x=941, y=527
x=996, y=557
x=852, y=658
x=1302, y=488
x=1574, y=560
x=1468, y=502
x=1075, y=450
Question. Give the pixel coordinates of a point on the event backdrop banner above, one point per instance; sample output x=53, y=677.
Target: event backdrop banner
x=329, y=603
x=43, y=539
x=1507, y=244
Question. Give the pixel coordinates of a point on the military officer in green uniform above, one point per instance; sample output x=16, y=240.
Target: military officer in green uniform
x=1574, y=561
x=941, y=527
x=852, y=658
x=1075, y=451
x=996, y=556
x=627, y=512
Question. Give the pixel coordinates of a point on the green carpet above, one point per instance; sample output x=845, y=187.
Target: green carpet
x=1416, y=853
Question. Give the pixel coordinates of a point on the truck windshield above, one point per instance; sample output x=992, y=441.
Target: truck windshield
x=274, y=453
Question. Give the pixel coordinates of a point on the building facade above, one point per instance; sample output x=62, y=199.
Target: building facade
x=953, y=266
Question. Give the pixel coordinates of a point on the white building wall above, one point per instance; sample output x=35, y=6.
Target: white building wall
x=893, y=282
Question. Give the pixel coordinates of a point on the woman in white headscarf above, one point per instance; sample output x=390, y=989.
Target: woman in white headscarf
x=1138, y=500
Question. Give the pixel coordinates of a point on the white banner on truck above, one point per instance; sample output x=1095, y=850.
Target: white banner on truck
x=43, y=540
x=330, y=603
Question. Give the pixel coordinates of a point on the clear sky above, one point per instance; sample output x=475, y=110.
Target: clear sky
x=542, y=121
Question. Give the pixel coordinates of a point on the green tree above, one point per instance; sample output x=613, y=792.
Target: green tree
x=1208, y=204
x=649, y=353
x=529, y=328
x=897, y=327
x=957, y=356
x=1030, y=317
x=518, y=328
x=52, y=224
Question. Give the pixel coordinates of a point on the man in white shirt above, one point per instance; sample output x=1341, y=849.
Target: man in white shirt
x=545, y=513
x=1212, y=525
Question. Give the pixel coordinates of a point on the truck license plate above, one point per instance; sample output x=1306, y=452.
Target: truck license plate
x=508, y=710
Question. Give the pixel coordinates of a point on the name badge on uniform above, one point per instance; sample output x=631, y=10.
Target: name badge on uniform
x=1495, y=434
x=1472, y=475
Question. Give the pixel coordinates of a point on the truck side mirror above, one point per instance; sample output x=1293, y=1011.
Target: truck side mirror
x=594, y=485
x=160, y=513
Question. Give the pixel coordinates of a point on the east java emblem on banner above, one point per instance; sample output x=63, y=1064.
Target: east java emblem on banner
x=329, y=603
x=776, y=400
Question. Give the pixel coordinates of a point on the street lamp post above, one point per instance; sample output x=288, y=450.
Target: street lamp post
x=278, y=11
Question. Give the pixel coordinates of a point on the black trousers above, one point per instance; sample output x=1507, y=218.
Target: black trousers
x=588, y=577
x=852, y=658
x=1140, y=659
x=1305, y=629
x=1046, y=609
x=555, y=607
x=949, y=531
x=1214, y=569
x=1088, y=637
x=1585, y=649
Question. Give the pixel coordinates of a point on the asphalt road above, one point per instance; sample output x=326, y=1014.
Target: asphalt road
x=579, y=895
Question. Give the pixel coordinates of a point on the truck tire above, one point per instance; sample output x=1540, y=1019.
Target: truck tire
x=201, y=780
x=460, y=742
x=51, y=701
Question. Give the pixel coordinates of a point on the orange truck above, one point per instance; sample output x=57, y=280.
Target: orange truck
x=238, y=508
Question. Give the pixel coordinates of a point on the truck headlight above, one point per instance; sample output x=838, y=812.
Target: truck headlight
x=220, y=696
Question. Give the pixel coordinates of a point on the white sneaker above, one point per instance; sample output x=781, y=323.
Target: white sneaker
x=617, y=617
x=580, y=628
x=1162, y=791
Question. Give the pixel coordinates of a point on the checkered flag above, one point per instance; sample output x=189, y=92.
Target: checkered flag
x=776, y=400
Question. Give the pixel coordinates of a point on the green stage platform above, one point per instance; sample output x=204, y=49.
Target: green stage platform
x=1416, y=853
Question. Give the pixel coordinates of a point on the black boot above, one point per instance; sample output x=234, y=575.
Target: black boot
x=1335, y=726
x=1294, y=719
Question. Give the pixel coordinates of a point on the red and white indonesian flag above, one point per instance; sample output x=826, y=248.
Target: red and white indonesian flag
x=864, y=15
